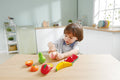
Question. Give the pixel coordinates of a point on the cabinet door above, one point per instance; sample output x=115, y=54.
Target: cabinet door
x=43, y=37
x=26, y=39
x=96, y=42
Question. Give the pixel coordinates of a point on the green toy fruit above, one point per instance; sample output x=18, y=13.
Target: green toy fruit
x=42, y=59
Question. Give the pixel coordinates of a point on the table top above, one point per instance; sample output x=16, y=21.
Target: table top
x=86, y=67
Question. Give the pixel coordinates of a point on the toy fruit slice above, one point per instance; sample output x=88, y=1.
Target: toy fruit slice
x=63, y=65
x=29, y=62
x=74, y=57
x=45, y=68
x=71, y=58
x=34, y=68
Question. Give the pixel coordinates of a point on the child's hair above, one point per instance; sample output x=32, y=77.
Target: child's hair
x=75, y=29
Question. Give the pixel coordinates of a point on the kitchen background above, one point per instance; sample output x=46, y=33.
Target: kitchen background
x=29, y=15
x=34, y=12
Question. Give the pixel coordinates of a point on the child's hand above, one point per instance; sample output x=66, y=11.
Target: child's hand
x=59, y=56
x=53, y=55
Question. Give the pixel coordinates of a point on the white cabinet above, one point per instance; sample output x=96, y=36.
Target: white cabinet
x=46, y=35
x=100, y=42
x=96, y=42
x=11, y=38
x=26, y=39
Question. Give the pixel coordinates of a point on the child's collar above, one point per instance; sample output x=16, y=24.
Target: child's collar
x=71, y=45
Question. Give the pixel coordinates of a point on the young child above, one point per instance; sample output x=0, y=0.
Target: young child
x=69, y=45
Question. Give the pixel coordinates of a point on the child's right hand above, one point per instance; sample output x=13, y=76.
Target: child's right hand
x=53, y=55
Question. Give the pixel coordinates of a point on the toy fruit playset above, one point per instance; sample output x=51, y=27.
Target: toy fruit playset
x=46, y=67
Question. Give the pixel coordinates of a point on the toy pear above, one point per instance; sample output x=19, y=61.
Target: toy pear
x=42, y=59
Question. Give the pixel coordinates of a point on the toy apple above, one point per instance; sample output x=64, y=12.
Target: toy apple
x=46, y=67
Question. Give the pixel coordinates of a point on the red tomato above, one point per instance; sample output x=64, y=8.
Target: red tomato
x=34, y=68
x=29, y=62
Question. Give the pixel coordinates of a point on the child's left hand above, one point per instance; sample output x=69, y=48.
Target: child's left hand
x=59, y=56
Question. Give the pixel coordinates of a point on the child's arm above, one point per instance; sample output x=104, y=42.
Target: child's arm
x=52, y=47
x=74, y=51
x=66, y=54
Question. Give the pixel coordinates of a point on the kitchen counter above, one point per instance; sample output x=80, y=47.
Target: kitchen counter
x=86, y=67
x=110, y=29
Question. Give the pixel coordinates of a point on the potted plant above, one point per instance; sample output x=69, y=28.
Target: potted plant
x=9, y=29
x=10, y=38
x=70, y=21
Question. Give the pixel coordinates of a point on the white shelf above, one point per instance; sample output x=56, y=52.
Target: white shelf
x=11, y=33
x=12, y=42
x=13, y=51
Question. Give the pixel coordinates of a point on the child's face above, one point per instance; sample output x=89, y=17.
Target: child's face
x=69, y=38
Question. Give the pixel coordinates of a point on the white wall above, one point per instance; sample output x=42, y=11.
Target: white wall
x=34, y=12
x=85, y=11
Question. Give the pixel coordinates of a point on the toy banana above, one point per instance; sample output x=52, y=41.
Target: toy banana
x=63, y=64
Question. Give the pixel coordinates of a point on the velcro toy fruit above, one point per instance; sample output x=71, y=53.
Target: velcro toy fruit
x=29, y=62
x=71, y=58
x=42, y=58
x=46, y=67
x=63, y=64
x=34, y=68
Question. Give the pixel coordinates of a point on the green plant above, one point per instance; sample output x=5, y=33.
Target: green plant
x=10, y=38
x=70, y=21
x=9, y=29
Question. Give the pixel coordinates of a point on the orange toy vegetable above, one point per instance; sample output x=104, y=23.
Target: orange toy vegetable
x=29, y=62
x=34, y=68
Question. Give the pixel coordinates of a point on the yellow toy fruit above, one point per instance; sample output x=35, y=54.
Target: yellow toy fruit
x=63, y=64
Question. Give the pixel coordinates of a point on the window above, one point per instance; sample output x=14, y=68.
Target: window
x=107, y=10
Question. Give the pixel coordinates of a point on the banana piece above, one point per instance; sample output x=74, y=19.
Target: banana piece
x=63, y=64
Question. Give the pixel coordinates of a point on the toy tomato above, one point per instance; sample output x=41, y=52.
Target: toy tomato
x=29, y=62
x=45, y=68
x=34, y=68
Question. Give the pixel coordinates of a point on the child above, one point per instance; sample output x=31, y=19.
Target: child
x=69, y=44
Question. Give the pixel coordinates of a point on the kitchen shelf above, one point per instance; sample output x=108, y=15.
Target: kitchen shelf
x=11, y=36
